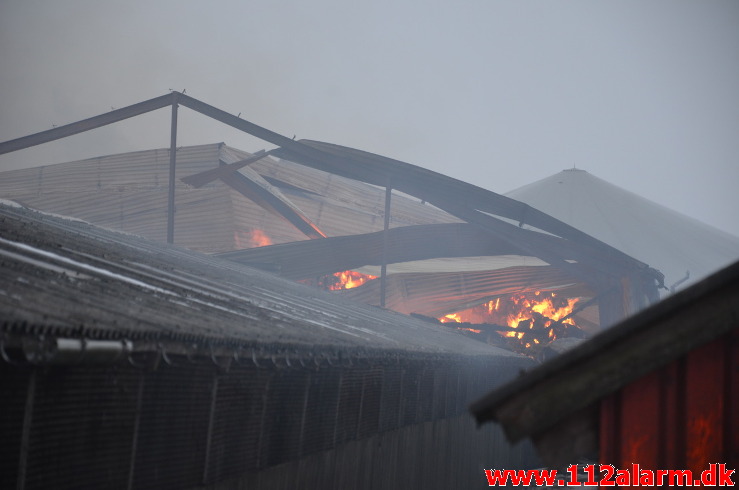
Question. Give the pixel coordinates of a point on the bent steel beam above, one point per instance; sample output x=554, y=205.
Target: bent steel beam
x=468, y=201
x=253, y=186
x=431, y=186
x=306, y=259
x=200, y=179
x=87, y=124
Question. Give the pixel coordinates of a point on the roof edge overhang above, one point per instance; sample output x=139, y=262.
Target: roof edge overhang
x=546, y=395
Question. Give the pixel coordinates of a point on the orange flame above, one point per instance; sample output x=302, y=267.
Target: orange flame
x=251, y=238
x=349, y=280
x=540, y=317
x=549, y=307
x=451, y=317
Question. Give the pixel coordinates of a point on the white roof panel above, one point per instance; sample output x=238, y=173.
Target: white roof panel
x=663, y=238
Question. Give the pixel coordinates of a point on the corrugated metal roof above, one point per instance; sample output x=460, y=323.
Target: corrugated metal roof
x=445, y=292
x=359, y=207
x=665, y=239
x=128, y=192
x=67, y=277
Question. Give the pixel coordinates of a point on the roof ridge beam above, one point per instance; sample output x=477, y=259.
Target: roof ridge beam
x=88, y=124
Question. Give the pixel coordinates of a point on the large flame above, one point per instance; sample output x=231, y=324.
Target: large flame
x=550, y=307
x=451, y=317
x=348, y=280
x=251, y=238
x=339, y=281
x=536, y=319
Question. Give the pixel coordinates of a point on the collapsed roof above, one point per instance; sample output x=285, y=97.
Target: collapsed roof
x=63, y=277
x=437, y=244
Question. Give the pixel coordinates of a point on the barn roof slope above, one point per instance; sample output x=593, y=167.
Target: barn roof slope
x=66, y=277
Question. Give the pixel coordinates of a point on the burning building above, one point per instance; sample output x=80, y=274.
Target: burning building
x=659, y=390
x=450, y=259
x=126, y=363
x=410, y=239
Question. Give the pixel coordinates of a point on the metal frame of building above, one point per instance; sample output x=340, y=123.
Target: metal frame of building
x=622, y=284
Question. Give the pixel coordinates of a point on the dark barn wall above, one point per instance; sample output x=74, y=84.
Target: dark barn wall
x=440, y=454
x=371, y=423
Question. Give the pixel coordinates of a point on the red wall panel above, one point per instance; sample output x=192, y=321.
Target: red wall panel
x=683, y=416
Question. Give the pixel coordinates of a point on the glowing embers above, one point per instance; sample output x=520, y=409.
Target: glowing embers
x=522, y=322
x=251, y=238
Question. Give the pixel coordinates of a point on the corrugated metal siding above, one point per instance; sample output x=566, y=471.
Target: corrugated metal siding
x=399, y=459
x=350, y=405
x=409, y=395
x=350, y=196
x=391, y=399
x=425, y=394
x=338, y=206
x=239, y=417
x=247, y=217
x=106, y=426
x=82, y=425
x=128, y=192
x=140, y=169
x=14, y=395
x=285, y=398
x=369, y=421
x=683, y=416
x=173, y=428
x=441, y=293
x=321, y=408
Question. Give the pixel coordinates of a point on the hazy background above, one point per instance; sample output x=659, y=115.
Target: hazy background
x=644, y=94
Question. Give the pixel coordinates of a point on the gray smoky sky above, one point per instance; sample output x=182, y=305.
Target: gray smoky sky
x=500, y=93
